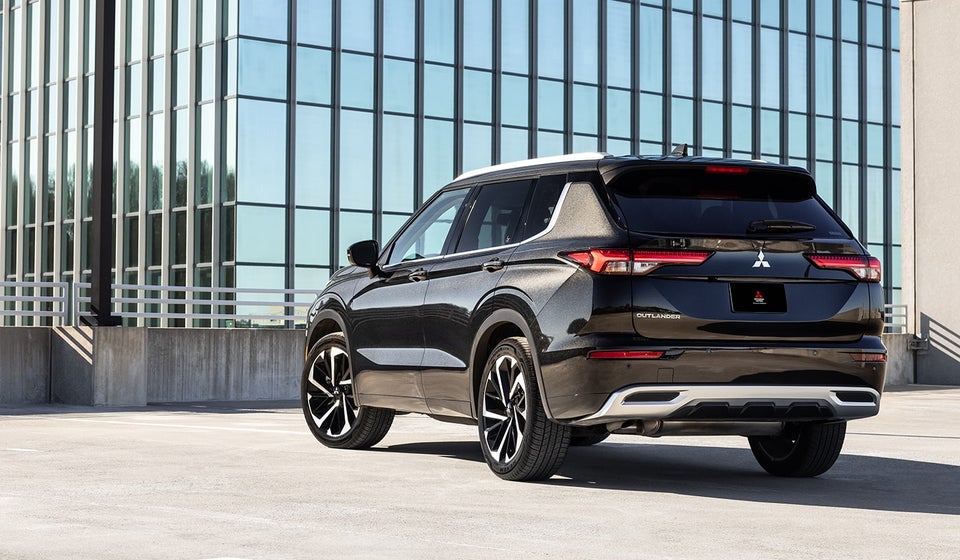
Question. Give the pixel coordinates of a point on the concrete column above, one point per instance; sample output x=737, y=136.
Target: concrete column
x=102, y=366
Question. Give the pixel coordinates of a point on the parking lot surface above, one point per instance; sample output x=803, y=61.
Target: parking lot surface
x=247, y=480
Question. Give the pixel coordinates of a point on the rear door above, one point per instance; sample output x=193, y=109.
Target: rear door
x=727, y=253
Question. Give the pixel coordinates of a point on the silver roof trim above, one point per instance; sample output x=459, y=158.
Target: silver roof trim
x=584, y=156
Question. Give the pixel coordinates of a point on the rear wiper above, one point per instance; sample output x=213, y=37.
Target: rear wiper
x=785, y=226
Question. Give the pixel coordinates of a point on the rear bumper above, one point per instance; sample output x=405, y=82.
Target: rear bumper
x=748, y=403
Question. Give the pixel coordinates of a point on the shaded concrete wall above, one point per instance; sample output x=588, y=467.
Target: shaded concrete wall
x=899, y=359
x=24, y=365
x=930, y=89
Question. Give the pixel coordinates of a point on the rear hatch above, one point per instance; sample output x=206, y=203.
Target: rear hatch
x=728, y=253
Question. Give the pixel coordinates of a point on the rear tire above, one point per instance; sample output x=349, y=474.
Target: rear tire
x=519, y=442
x=803, y=450
x=327, y=399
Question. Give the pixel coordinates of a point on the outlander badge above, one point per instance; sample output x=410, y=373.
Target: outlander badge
x=760, y=262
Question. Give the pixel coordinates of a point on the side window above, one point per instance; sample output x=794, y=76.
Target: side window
x=424, y=236
x=546, y=195
x=495, y=217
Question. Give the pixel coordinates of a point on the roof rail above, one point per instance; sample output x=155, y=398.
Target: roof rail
x=583, y=156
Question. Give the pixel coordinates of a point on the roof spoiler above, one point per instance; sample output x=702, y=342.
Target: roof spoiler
x=679, y=151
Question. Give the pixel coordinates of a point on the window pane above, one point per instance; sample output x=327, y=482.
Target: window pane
x=585, y=109
x=438, y=28
x=156, y=161
x=824, y=138
x=437, y=155
x=770, y=67
x=798, y=136
x=262, y=69
x=850, y=142
x=313, y=156
x=850, y=198
x=398, y=163
x=356, y=25
x=849, y=20
x=398, y=18
x=681, y=65
x=312, y=232
x=313, y=75
x=550, y=38
x=261, y=151
x=181, y=151
x=849, y=84
x=712, y=53
x=823, y=172
x=682, y=121
x=619, y=62
x=824, y=77
x=477, y=146
x=550, y=104
x=477, y=95
x=513, y=33
x=875, y=89
x=824, y=17
x=203, y=189
x=356, y=81
x=495, y=217
x=314, y=22
x=741, y=63
x=356, y=160
x=741, y=129
x=478, y=33
x=713, y=125
x=651, y=117
x=651, y=49
x=398, y=80
x=261, y=234
x=513, y=144
x=425, y=236
x=875, y=144
x=514, y=104
x=264, y=18
x=585, y=39
x=798, y=80
x=619, y=113
x=797, y=10
x=438, y=91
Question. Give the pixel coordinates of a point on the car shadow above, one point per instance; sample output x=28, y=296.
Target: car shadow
x=855, y=481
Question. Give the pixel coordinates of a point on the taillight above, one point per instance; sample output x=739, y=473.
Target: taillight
x=860, y=266
x=727, y=170
x=868, y=357
x=625, y=261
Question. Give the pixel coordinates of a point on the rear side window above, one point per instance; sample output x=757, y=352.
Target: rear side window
x=546, y=196
x=495, y=217
x=693, y=202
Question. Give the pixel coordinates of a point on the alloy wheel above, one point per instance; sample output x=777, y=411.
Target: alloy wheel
x=329, y=393
x=504, y=408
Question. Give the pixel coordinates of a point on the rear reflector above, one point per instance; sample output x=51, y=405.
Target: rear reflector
x=727, y=170
x=868, y=357
x=625, y=355
x=862, y=267
x=625, y=261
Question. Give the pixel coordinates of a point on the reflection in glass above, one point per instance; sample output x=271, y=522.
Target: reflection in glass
x=619, y=113
x=849, y=20
x=824, y=77
x=398, y=86
x=354, y=226
x=133, y=89
x=261, y=151
x=712, y=125
x=476, y=146
x=823, y=15
x=437, y=155
x=875, y=91
x=398, y=163
x=134, y=29
x=585, y=109
x=132, y=160
x=741, y=129
x=356, y=23
x=798, y=135
x=651, y=117
x=312, y=165
x=770, y=67
x=681, y=115
x=823, y=174
x=850, y=198
x=514, y=101
x=875, y=205
x=549, y=144
x=798, y=79
x=513, y=144
x=850, y=142
x=769, y=132
x=619, y=62
x=262, y=69
x=875, y=144
x=203, y=186
x=651, y=49
x=356, y=160
x=585, y=47
x=313, y=75
x=681, y=63
x=824, y=137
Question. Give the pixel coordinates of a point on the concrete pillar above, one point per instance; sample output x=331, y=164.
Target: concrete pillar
x=24, y=365
x=102, y=366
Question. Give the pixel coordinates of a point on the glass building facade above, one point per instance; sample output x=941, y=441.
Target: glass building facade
x=256, y=139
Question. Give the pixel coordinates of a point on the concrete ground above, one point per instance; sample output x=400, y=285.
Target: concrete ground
x=229, y=481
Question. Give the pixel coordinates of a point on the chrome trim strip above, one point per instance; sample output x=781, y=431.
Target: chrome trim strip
x=616, y=409
x=583, y=156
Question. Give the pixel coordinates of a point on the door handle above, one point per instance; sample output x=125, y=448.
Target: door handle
x=492, y=265
x=417, y=275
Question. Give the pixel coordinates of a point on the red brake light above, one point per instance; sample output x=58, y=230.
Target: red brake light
x=727, y=170
x=625, y=355
x=860, y=266
x=624, y=261
x=868, y=357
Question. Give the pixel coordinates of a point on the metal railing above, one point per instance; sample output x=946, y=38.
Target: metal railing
x=894, y=318
x=151, y=305
x=26, y=301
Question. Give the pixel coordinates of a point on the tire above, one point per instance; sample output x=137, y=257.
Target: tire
x=591, y=435
x=329, y=407
x=804, y=450
x=519, y=442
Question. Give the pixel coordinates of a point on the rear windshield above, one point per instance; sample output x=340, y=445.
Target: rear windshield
x=695, y=203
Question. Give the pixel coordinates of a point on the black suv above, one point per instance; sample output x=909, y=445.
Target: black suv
x=556, y=301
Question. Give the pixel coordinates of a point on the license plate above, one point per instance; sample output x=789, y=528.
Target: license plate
x=758, y=298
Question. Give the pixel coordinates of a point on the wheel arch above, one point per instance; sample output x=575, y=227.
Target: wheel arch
x=499, y=325
x=326, y=321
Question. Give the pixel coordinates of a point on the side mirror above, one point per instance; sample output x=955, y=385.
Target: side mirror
x=364, y=253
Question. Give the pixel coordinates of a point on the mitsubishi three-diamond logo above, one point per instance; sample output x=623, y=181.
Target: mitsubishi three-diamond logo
x=760, y=262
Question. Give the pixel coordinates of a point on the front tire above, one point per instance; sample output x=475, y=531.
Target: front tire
x=327, y=399
x=519, y=442
x=803, y=450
